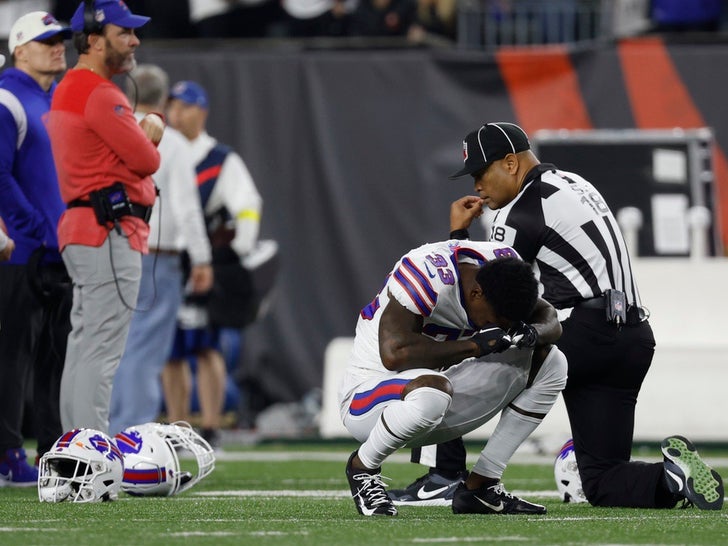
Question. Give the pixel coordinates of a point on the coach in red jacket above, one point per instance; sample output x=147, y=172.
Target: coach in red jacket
x=104, y=160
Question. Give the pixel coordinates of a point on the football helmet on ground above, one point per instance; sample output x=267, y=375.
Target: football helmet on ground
x=566, y=473
x=84, y=465
x=156, y=458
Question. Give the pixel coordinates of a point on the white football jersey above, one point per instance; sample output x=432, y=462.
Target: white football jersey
x=426, y=281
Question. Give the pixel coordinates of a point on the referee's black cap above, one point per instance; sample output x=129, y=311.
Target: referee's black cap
x=493, y=141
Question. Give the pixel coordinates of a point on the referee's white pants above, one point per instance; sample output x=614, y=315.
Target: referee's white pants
x=100, y=324
x=481, y=389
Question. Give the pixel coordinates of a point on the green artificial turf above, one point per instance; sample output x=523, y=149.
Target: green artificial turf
x=297, y=494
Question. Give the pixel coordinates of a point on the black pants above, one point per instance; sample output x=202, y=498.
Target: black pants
x=34, y=330
x=606, y=368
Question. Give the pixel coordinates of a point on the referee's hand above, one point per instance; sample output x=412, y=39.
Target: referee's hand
x=464, y=211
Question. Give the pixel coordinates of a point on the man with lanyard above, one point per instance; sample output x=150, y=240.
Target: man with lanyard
x=104, y=160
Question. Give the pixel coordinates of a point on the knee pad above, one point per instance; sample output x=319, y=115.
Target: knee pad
x=421, y=411
x=431, y=403
x=550, y=380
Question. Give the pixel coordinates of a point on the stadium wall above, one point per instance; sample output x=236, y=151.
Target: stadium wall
x=351, y=150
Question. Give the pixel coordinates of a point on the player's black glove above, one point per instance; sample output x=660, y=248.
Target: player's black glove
x=523, y=335
x=492, y=340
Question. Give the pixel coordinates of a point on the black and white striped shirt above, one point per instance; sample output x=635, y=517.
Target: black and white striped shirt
x=561, y=224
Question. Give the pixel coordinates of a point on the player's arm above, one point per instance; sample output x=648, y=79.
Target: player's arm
x=402, y=345
x=543, y=327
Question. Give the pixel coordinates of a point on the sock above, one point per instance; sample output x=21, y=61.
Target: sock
x=513, y=427
x=512, y=430
x=403, y=421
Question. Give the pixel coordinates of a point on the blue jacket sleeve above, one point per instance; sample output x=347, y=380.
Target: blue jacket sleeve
x=15, y=208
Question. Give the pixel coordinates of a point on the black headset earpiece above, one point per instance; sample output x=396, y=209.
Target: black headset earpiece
x=90, y=24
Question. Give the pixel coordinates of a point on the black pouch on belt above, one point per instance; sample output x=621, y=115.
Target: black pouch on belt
x=111, y=203
x=616, y=305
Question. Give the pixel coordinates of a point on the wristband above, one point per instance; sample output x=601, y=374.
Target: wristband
x=459, y=234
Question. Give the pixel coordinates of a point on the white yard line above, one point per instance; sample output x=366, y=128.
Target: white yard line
x=401, y=457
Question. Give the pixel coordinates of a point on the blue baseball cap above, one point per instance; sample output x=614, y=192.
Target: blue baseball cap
x=106, y=12
x=191, y=93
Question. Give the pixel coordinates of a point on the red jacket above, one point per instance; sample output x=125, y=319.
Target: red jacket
x=97, y=141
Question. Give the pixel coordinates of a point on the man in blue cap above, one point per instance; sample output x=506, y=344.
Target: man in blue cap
x=104, y=159
x=35, y=294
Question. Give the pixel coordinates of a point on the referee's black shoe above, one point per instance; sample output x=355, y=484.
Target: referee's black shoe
x=688, y=476
x=493, y=499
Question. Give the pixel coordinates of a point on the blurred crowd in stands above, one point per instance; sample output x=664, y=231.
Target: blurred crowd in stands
x=413, y=20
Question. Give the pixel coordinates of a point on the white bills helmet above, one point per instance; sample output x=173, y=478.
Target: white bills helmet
x=84, y=465
x=157, y=458
x=568, y=481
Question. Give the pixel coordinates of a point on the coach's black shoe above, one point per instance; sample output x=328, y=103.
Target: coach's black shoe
x=689, y=476
x=367, y=490
x=491, y=500
x=432, y=489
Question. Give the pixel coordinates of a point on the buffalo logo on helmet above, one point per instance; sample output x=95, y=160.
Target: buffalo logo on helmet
x=566, y=474
x=156, y=458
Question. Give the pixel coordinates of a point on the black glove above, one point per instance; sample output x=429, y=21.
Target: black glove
x=492, y=340
x=523, y=335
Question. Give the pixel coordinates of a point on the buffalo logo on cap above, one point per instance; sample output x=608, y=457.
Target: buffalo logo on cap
x=48, y=19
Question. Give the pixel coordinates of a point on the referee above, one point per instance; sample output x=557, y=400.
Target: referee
x=559, y=222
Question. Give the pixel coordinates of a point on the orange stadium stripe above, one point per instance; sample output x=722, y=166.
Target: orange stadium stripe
x=543, y=88
x=660, y=100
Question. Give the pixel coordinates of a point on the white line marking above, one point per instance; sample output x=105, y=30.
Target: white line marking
x=326, y=493
x=18, y=529
x=458, y=540
x=204, y=534
x=403, y=457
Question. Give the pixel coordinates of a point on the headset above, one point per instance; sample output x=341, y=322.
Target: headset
x=90, y=24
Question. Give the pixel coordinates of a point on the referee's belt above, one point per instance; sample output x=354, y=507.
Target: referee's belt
x=136, y=210
x=635, y=314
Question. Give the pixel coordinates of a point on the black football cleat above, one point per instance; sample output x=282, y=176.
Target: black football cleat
x=688, y=476
x=429, y=490
x=367, y=490
x=491, y=500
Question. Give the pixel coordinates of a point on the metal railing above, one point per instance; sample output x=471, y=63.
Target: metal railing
x=490, y=24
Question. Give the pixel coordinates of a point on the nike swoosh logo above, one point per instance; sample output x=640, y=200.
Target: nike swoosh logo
x=366, y=511
x=676, y=479
x=430, y=273
x=495, y=507
x=424, y=494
